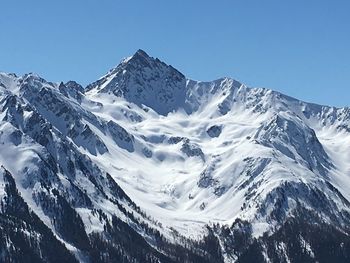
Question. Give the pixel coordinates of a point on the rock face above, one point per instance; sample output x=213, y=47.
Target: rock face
x=144, y=80
x=214, y=131
x=120, y=136
x=144, y=165
x=283, y=133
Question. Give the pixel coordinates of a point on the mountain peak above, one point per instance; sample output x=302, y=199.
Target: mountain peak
x=141, y=53
x=144, y=80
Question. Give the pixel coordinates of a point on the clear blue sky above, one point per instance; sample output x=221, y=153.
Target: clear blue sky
x=298, y=47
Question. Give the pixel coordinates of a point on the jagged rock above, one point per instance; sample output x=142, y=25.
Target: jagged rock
x=191, y=150
x=147, y=152
x=120, y=136
x=142, y=79
x=214, y=131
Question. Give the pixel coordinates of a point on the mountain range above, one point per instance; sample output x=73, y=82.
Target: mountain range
x=146, y=165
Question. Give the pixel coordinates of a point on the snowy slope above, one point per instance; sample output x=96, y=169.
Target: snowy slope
x=158, y=151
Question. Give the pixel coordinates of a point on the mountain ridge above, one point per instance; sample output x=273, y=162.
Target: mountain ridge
x=146, y=153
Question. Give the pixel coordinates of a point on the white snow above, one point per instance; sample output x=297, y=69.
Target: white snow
x=166, y=184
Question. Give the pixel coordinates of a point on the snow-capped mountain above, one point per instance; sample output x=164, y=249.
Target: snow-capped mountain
x=145, y=165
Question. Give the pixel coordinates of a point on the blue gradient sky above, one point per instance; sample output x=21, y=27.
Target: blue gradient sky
x=301, y=48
